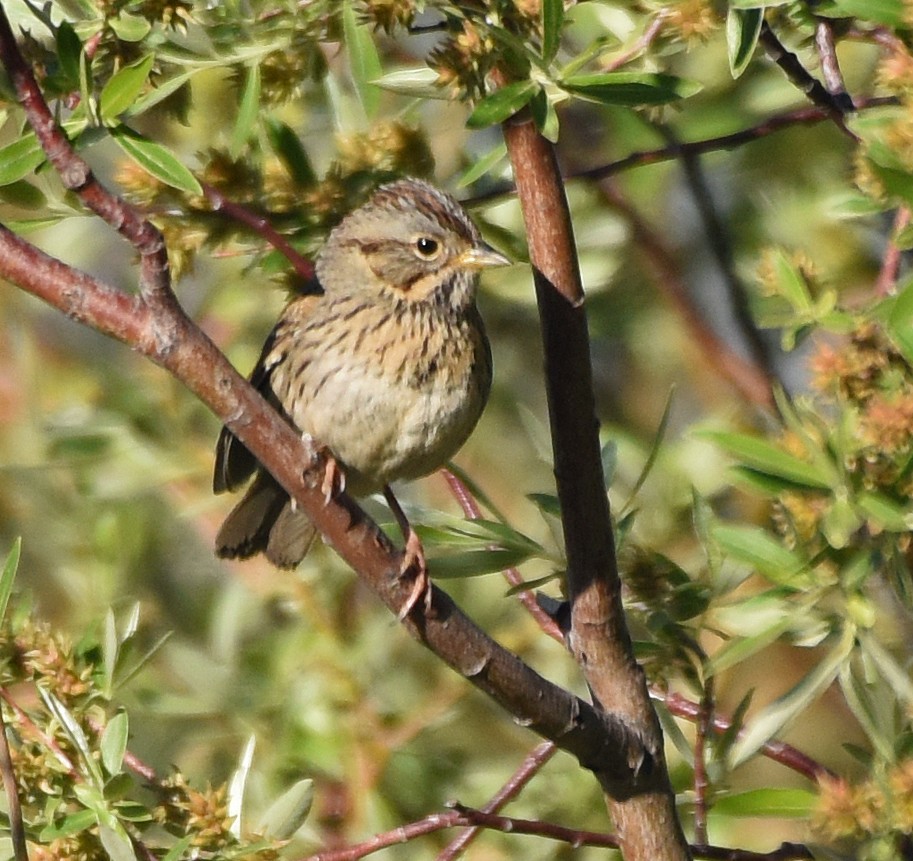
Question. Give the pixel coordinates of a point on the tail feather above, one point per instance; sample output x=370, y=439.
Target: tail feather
x=265, y=521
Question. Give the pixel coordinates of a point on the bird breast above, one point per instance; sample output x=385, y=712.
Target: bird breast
x=393, y=392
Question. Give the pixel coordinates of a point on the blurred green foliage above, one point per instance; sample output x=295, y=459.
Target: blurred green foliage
x=765, y=550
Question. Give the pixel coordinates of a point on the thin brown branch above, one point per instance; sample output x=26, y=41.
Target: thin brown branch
x=529, y=768
x=512, y=575
x=155, y=325
x=261, y=226
x=778, y=751
x=806, y=116
x=703, y=726
x=641, y=45
x=749, y=379
x=598, y=637
x=797, y=74
x=830, y=65
x=784, y=852
x=11, y=788
x=890, y=264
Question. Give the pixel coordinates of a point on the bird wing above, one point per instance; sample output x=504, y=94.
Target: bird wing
x=234, y=463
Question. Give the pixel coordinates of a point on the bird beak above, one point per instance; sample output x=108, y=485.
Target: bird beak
x=482, y=256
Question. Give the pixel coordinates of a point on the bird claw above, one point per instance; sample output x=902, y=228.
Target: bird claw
x=415, y=565
x=334, y=479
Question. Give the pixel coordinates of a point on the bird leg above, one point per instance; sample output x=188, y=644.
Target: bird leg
x=413, y=557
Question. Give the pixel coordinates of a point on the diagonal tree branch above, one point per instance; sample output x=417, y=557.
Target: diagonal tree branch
x=154, y=324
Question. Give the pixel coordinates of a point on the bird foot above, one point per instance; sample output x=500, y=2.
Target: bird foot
x=415, y=566
x=334, y=479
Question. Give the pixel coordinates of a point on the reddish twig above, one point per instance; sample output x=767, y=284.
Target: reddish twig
x=512, y=575
x=530, y=767
x=890, y=264
x=11, y=788
x=641, y=44
x=260, y=225
x=45, y=740
x=799, y=117
x=778, y=751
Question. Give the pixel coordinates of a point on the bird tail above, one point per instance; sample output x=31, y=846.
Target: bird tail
x=265, y=521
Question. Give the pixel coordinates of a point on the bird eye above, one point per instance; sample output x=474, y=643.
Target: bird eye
x=426, y=246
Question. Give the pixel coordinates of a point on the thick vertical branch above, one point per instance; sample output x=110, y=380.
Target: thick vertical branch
x=645, y=818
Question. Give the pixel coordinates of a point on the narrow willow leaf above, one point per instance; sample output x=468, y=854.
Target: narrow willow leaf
x=20, y=158
x=483, y=165
x=736, y=651
x=10, y=566
x=857, y=695
x=129, y=28
x=158, y=93
x=552, y=21
x=475, y=563
x=248, y=110
x=743, y=26
x=156, y=159
x=786, y=708
x=782, y=803
x=74, y=823
x=287, y=145
x=758, y=548
x=288, y=812
x=897, y=678
x=76, y=735
x=123, y=88
x=885, y=513
x=116, y=842
x=364, y=61
x=766, y=457
x=114, y=743
x=420, y=83
x=502, y=104
x=176, y=852
x=629, y=88
x=658, y=438
x=545, y=116
x=69, y=53
x=235, y=801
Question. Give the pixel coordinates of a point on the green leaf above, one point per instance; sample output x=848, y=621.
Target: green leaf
x=655, y=447
x=122, y=90
x=772, y=719
x=235, y=800
x=482, y=165
x=502, y=104
x=176, y=852
x=897, y=678
x=743, y=26
x=76, y=735
x=758, y=548
x=20, y=158
x=736, y=651
x=8, y=575
x=782, y=803
x=248, y=111
x=475, y=563
x=859, y=697
x=420, y=83
x=116, y=842
x=287, y=145
x=888, y=12
x=364, y=61
x=158, y=93
x=629, y=88
x=129, y=28
x=768, y=458
x=544, y=115
x=288, y=812
x=69, y=54
x=156, y=159
x=114, y=743
x=900, y=320
x=552, y=21
x=74, y=823
x=885, y=513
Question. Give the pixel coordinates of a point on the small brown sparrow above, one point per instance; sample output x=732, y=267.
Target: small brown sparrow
x=387, y=365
